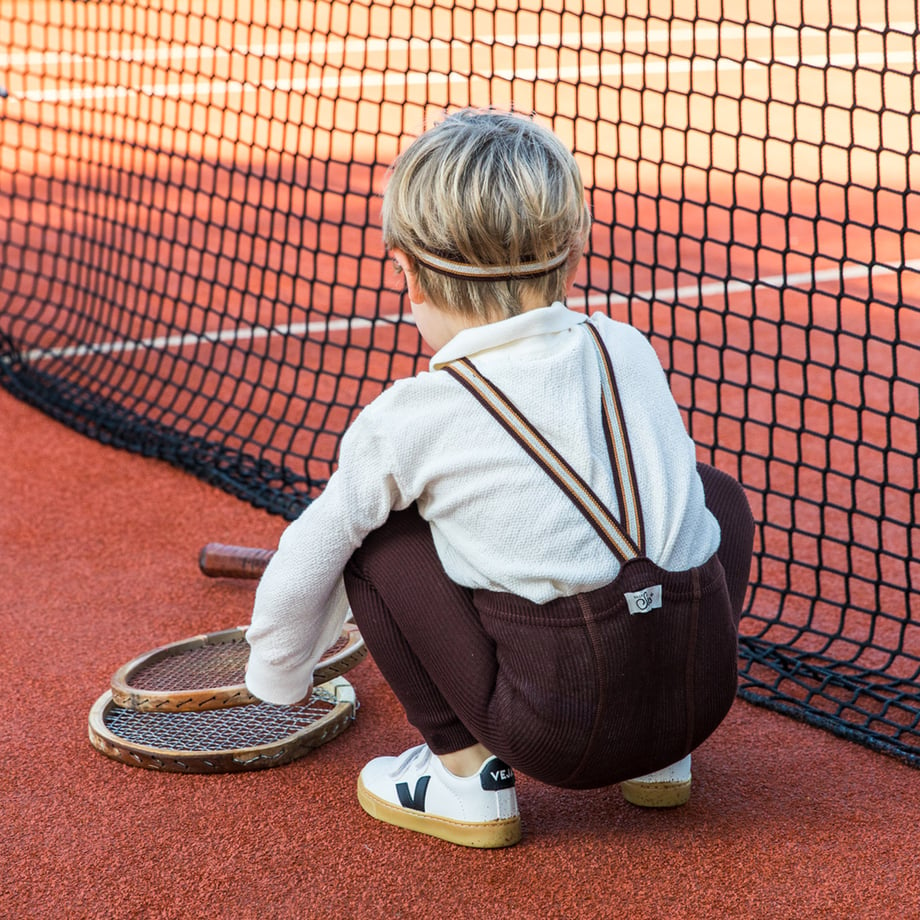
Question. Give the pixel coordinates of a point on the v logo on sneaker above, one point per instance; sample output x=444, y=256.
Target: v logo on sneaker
x=416, y=800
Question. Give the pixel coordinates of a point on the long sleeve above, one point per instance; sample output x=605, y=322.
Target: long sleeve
x=300, y=603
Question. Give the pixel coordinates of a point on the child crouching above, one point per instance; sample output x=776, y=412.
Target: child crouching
x=545, y=576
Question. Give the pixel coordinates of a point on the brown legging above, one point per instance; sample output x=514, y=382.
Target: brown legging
x=577, y=692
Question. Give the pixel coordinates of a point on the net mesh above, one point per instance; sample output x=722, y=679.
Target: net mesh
x=190, y=263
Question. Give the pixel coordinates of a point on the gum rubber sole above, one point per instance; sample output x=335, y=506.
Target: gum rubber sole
x=504, y=832
x=656, y=795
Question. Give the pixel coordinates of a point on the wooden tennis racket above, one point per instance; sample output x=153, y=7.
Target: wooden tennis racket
x=221, y=740
x=209, y=671
x=224, y=560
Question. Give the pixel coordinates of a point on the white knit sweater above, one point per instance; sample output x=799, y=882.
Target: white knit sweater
x=497, y=519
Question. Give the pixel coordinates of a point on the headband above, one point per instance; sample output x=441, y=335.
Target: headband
x=490, y=272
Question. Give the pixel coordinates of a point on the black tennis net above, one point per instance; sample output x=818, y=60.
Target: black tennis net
x=190, y=262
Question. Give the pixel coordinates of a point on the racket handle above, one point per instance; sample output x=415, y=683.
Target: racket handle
x=221, y=560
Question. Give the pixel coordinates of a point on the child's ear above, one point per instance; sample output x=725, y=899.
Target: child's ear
x=574, y=266
x=576, y=257
x=406, y=266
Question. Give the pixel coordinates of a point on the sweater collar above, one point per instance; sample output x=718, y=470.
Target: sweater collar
x=542, y=321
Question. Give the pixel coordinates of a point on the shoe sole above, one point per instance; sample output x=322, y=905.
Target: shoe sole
x=656, y=795
x=503, y=832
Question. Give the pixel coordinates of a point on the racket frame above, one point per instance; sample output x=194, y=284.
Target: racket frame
x=338, y=692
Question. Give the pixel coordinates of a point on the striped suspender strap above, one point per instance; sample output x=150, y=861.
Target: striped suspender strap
x=624, y=478
x=625, y=539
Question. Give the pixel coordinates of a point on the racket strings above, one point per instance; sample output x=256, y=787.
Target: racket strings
x=219, y=729
x=213, y=664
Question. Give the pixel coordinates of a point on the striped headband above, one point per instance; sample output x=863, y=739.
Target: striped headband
x=490, y=272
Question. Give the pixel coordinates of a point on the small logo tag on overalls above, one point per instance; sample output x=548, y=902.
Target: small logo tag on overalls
x=644, y=600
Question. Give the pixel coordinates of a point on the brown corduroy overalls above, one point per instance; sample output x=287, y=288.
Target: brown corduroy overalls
x=580, y=692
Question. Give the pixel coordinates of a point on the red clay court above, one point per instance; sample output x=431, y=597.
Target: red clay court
x=99, y=564
x=191, y=274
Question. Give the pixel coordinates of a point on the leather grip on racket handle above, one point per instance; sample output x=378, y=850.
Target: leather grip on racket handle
x=221, y=560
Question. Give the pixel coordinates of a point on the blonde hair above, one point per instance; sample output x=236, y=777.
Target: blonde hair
x=490, y=208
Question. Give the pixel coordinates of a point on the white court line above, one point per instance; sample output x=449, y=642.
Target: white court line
x=316, y=49
x=369, y=80
x=780, y=282
x=252, y=333
x=247, y=334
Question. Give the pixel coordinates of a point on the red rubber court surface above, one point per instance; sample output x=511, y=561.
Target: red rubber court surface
x=98, y=563
x=98, y=552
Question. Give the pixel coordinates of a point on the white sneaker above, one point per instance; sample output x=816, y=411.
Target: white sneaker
x=417, y=792
x=665, y=788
